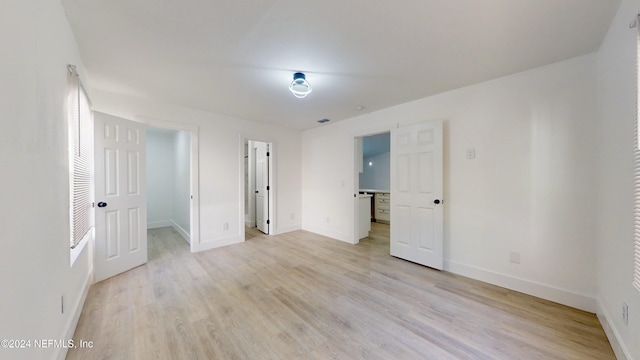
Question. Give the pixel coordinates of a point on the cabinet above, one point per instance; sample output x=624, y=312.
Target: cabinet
x=382, y=203
x=364, y=222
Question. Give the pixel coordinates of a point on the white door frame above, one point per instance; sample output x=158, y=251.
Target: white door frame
x=194, y=223
x=356, y=175
x=272, y=181
x=250, y=201
x=261, y=185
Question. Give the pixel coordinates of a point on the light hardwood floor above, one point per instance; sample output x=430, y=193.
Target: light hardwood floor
x=303, y=296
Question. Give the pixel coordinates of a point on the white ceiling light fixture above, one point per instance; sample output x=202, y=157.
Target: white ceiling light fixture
x=300, y=86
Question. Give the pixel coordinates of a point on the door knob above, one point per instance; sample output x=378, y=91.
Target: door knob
x=436, y=201
x=102, y=204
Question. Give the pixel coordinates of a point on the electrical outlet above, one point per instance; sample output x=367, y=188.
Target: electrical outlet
x=293, y=216
x=328, y=220
x=225, y=226
x=514, y=257
x=625, y=314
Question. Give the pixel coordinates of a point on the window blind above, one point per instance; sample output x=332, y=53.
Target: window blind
x=636, y=166
x=80, y=158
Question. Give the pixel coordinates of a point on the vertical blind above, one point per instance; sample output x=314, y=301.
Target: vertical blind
x=636, y=165
x=80, y=157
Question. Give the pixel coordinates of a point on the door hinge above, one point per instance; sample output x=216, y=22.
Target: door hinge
x=268, y=187
x=268, y=222
x=268, y=153
x=93, y=204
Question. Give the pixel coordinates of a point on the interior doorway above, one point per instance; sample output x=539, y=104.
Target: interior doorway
x=187, y=143
x=121, y=186
x=169, y=180
x=415, y=204
x=372, y=180
x=258, y=192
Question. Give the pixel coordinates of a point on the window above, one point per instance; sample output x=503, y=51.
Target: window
x=80, y=124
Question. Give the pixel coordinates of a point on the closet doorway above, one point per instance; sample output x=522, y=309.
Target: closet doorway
x=169, y=180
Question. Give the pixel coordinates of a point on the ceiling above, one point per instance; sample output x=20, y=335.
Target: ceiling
x=237, y=58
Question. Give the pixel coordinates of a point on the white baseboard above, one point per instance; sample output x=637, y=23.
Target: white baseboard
x=328, y=233
x=170, y=223
x=212, y=244
x=159, y=224
x=286, y=229
x=185, y=235
x=561, y=296
x=72, y=323
x=621, y=352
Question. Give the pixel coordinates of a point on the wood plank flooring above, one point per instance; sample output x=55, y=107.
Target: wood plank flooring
x=303, y=296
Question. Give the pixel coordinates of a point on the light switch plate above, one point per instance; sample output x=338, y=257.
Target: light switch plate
x=471, y=153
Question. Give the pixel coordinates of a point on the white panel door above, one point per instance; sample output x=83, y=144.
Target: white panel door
x=416, y=194
x=262, y=187
x=121, y=211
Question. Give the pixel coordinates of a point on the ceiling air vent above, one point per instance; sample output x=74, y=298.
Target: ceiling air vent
x=322, y=121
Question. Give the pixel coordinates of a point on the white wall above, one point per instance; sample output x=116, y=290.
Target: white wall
x=614, y=196
x=529, y=190
x=37, y=45
x=221, y=154
x=377, y=175
x=160, y=177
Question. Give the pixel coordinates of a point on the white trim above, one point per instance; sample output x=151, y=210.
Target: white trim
x=212, y=244
x=170, y=223
x=181, y=231
x=329, y=233
x=241, y=140
x=375, y=130
x=273, y=223
x=619, y=349
x=194, y=225
x=636, y=173
x=286, y=229
x=72, y=323
x=547, y=292
x=76, y=251
x=159, y=224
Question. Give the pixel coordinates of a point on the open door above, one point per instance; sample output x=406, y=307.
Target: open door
x=120, y=192
x=262, y=186
x=416, y=194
